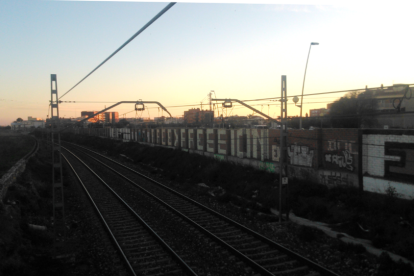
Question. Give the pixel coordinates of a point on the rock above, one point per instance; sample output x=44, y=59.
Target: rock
x=202, y=185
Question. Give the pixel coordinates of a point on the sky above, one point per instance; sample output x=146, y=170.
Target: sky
x=239, y=50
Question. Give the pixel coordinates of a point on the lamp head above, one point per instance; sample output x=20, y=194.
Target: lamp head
x=314, y=43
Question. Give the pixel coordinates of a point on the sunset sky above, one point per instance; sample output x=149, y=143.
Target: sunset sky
x=238, y=49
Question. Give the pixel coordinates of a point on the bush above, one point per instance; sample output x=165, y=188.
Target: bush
x=314, y=208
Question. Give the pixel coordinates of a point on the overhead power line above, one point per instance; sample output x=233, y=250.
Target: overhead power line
x=123, y=45
x=323, y=93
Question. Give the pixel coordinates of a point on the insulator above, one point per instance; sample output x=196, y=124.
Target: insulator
x=139, y=106
x=227, y=104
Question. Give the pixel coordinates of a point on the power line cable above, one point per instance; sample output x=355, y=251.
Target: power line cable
x=323, y=93
x=123, y=45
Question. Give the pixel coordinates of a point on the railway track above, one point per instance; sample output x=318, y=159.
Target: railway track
x=143, y=251
x=249, y=252
x=33, y=150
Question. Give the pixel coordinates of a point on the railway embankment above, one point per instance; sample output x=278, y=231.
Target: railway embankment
x=15, y=150
x=27, y=238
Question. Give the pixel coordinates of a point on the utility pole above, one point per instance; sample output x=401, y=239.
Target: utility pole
x=210, y=94
x=283, y=180
x=58, y=199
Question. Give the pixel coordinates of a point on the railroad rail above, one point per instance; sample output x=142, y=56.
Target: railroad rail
x=33, y=150
x=143, y=251
x=262, y=255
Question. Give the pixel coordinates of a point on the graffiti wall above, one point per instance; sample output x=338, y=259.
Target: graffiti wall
x=184, y=138
x=164, y=136
x=302, y=147
x=153, y=136
x=201, y=139
x=192, y=138
x=223, y=144
x=177, y=138
x=388, y=161
x=259, y=144
x=211, y=140
x=339, y=155
x=241, y=143
x=340, y=150
x=334, y=178
x=300, y=155
x=374, y=160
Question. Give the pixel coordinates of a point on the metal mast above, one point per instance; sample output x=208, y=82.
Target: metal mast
x=283, y=180
x=58, y=199
x=209, y=94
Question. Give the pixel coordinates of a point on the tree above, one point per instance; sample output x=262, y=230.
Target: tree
x=122, y=123
x=353, y=110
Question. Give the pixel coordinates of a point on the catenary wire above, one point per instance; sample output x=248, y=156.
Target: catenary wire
x=323, y=93
x=123, y=45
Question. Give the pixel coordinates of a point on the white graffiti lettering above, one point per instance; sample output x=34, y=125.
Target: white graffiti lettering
x=335, y=179
x=343, y=161
x=300, y=155
x=334, y=145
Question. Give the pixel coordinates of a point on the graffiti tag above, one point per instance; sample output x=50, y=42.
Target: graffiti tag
x=335, y=179
x=343, y=161
x=300, y=155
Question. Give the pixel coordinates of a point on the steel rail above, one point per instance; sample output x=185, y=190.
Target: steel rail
x=249, y=261
x=33, y=150
x=311, y=264
x=101, y=217
x=150, y=230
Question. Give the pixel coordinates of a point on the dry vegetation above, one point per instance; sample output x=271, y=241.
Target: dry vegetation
x=13, y=146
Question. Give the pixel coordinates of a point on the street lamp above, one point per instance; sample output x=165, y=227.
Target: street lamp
x=303, y=86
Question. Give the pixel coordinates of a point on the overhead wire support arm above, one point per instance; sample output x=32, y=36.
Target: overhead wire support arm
x=227, y=101
x=122, y=102
x=123, y=45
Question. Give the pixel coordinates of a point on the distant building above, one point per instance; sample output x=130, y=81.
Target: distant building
x=195, y=115
x=258, y=119
x=93, y=119
x=388, y=99
x=159, y=119
x=389, y=112
x=111, y=117
x=107, y=117
x=174, y=120
x=30, y=118
x=30, y=123
x=237, y=118
x=318, y=112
